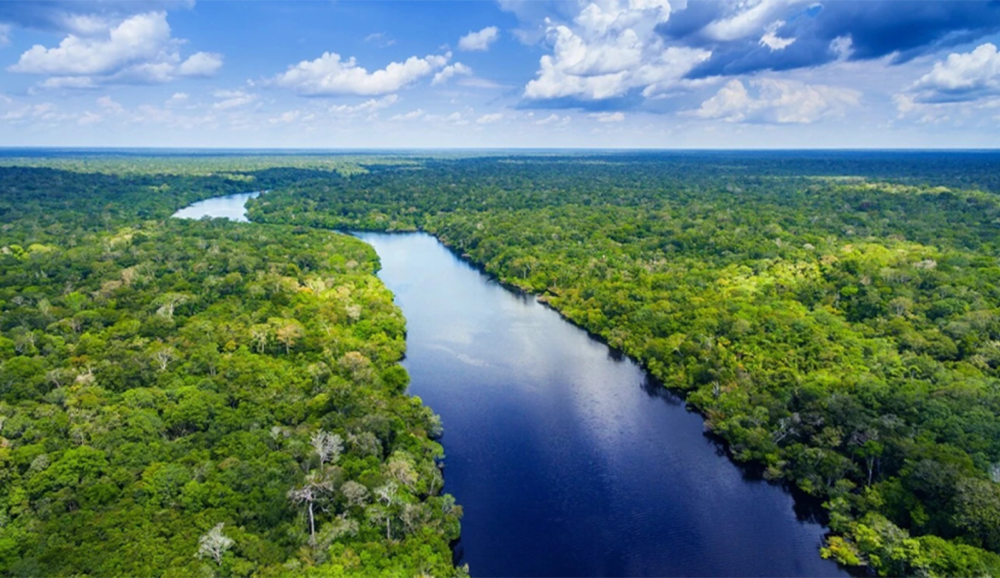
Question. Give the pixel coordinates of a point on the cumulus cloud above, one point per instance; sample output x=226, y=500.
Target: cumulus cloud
x=139, y=49
x=777, y=101
x=961, y=77
x=138, y=38
x=609, y=50
x=202, y=64
x=457, y=69
x=479, y=40
x=330, y=75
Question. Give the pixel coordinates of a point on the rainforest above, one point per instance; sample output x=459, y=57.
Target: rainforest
x=189, y=397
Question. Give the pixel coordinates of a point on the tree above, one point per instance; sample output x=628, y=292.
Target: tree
x=384, y=511
x=328, y=446
x=163, y=355
x=977, y=511
x=355, y=493
x=214, y=544
x=288, y=332
x=168, y=302
x=316, y=484
x=260, y=334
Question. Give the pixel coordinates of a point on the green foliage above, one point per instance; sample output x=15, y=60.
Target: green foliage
x=835, y=317
x=162, y=383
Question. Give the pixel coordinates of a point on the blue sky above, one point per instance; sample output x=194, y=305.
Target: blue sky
x=513, y=73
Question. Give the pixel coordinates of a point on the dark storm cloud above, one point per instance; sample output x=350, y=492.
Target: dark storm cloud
x=63, y=15
x=905, y=28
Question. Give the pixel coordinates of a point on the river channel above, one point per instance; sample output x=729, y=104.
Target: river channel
x=566, y=458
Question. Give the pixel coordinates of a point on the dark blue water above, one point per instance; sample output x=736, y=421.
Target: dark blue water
x=568, y=462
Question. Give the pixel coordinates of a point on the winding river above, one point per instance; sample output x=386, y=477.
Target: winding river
x=567, y=460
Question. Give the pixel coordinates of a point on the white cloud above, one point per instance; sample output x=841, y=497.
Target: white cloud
x=89, y=118
x=607, y=116
x=476, y=82
x=554, y=119
x=75, y=82
x=380, y=39
x=748, y=19
x=962, y=77
x=610, y=49
x=146, y=73
x=139, y=49
x=232, y=99
x=451, y=70
x=412, y=115
x=479, y=40
x=139, y=38
x=843, y=47
x=455, y=118
x=177, y=98
x=203, y=64
x=490, y=118
x=285, y=117
x=44, y=111
x=777, y=101
x=369, y=107
x=329, y=75
x=108, y=107
x=772, y=40
x=4, y=34
x=106, y=103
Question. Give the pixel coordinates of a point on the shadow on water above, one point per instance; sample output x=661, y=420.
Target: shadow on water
x=807, y=508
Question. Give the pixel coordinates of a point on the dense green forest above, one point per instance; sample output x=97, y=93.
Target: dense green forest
x=202, y=398
x=836, y=320
x=834, y=316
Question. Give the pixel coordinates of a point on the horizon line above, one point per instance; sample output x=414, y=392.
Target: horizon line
x=7, y=148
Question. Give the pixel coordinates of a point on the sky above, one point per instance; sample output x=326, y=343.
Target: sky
x=500, y=74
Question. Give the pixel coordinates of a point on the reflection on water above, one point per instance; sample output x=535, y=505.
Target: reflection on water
x=567, y=458
x=231, y=207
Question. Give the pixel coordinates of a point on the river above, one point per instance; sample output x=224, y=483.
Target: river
x=232, y=207
x=567, y=460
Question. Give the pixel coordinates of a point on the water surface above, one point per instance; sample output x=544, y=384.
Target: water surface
x=231, y=207
x=566, y=459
